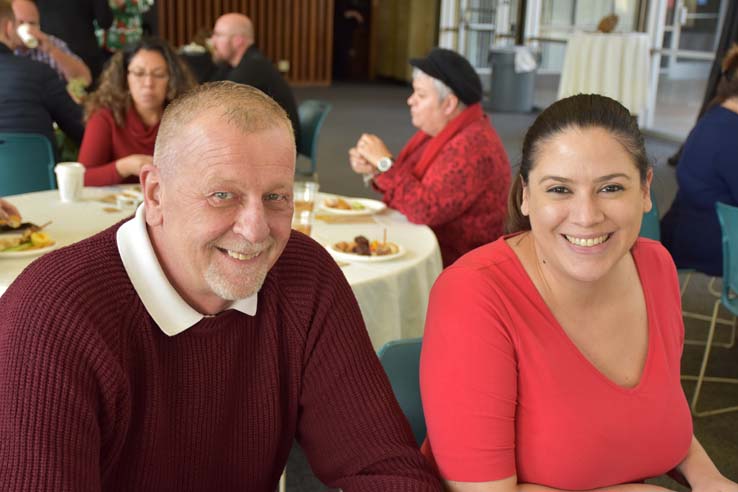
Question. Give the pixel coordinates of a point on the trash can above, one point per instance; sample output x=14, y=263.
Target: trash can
x=510, y=91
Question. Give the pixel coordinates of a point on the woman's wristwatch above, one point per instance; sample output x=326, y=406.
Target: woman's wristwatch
x=384, y=164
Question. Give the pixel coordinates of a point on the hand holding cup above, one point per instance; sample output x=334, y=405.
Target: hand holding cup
x=27, y=36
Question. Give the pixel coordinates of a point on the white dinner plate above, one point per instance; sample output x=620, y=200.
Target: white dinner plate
x=340, y=255
x=370, y=207
x=28, y=253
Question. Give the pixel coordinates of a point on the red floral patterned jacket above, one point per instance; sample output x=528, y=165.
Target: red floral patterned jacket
x=462, y=194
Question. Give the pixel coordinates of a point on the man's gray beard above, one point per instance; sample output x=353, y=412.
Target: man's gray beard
x=229, y=292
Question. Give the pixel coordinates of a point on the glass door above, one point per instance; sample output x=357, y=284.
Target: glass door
x=554, y=21
x=472, y=27
x=560, y=18
x=483, y=24
x=685, y=35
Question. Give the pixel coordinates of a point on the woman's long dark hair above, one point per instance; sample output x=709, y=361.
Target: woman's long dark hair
x=113, y=92
x=727, y=87
x=580, y=111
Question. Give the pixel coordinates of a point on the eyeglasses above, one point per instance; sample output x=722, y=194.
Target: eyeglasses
x=141, y=74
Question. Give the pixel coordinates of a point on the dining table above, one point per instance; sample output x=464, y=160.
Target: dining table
x=392, y=293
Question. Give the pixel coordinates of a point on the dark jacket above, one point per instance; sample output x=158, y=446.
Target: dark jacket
x=707, y=173
x=32, y=97
x=257, y=70
x=71, y=21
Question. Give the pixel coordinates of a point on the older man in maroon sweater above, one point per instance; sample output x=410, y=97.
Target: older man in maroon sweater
x=186, y=348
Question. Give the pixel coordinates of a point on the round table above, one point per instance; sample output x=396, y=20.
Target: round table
x=392, y=295
x=614, y=65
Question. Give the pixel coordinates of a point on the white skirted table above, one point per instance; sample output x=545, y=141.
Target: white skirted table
x=614, y=65
x=392, y=295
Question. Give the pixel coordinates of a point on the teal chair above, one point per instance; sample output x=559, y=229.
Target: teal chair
x=312, y=115
x=650, y=226
x=26, y=163
x=401, y=362
x=651, y=229
x=728, y=217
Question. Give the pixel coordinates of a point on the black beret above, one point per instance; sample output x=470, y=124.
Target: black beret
x=453, y=70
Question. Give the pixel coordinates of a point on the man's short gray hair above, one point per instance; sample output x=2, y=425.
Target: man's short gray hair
x=242, y=106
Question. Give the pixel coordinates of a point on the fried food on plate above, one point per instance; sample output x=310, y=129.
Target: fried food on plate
x=362, y=246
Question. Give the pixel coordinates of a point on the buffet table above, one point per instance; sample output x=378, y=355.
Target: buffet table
x=614, y=65
x=392, y=295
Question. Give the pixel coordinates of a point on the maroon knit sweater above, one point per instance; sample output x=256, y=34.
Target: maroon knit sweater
x=94, y=396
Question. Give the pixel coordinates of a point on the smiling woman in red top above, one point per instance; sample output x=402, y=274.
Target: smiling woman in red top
x=123, y=113
x=453, y=175
x=551, y=356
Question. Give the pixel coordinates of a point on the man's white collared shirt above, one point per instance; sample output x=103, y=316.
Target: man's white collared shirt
x=159, y=297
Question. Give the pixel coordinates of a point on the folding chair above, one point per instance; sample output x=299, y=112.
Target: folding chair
x=728, y=217
x=401, y=362
x=712, y=289
x=650, y=225
x=312, y=114
x=651, y=228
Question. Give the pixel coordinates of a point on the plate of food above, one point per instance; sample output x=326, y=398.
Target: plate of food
x=26, y=242
x=128, y=198
x=26, y=253
x=365, y=250
x=352, y=206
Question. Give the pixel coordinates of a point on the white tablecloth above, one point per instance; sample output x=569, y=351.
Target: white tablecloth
x=70, y=222
x=614, y=65
x=392, y=295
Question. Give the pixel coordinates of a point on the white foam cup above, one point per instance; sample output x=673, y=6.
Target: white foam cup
x=25, y=34
x=70, y=179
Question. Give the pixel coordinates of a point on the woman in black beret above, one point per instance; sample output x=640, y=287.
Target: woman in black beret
x=453, y=174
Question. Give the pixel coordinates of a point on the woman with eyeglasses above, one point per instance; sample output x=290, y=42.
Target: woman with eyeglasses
x=123, y=114
x=707, y=172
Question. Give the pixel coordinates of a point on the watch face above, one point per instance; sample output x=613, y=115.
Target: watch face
x=384, y=164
